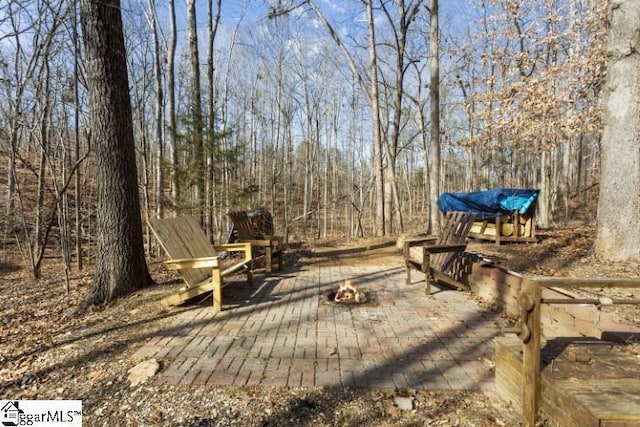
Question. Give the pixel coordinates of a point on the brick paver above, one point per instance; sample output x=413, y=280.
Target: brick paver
x=284, y=332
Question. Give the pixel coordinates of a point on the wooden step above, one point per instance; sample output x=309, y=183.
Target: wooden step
x=585, y=382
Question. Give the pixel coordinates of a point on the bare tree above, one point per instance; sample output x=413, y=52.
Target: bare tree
x=195, y=113
x=17, y=74
x=534, y=93
x=171, y=107
x=434, y=90
x=400, y=20
x=373, y=99
x=76, y=137
x=159, y=127
x=29, y=113
x=213, y=21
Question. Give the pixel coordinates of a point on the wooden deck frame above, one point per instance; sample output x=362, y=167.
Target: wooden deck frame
x=267, y=247
x=440, y=254
x=197, y=260
x=529, y=328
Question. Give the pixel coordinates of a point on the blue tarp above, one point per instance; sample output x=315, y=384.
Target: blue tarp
x=491, y=204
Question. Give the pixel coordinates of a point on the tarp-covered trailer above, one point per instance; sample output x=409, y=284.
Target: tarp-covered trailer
x=502, y=215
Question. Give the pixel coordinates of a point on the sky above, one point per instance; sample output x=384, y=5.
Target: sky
x=341, y=13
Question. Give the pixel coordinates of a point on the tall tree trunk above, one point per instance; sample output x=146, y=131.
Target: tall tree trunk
x=195, y=117
x=44, y=94
x=171, y=109
x=15, y=122
x=566, y=188
x=618, y=236
x=120, y=263
x=434, y=170
x=307, y=155
x=543, y=215
x=76, y=135
x=157, y=73
x=378, y=167
x=212, y=28
x=405, y=15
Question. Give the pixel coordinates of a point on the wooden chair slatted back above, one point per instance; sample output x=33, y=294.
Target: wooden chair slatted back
x=454, y=232
x=242, y=223
x=183, y=238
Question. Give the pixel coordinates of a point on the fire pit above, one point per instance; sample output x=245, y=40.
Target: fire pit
x=349, y=294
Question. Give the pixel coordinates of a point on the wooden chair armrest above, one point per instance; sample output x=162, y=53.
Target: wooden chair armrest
x=236, y=247
x=269, y=241
x=186, y=263
x=415, y=241
x=231, y=247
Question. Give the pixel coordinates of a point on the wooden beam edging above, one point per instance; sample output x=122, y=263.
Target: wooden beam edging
x=531, y=304
x=595, y=301
x=590, y=282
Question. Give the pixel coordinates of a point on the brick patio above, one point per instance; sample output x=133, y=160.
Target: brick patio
x=283, y=332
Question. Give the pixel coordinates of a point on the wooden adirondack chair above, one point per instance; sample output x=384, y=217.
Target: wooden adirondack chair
x=265, y=247
x=197, y=260
x=437, y=256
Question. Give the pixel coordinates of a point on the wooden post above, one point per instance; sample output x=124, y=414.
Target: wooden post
x=531, y=354
x=216, y=280
x=407, y=256
x=533, y=226
x=268, y=250
x=280, y=248
x=248, y=257
x=426, y=269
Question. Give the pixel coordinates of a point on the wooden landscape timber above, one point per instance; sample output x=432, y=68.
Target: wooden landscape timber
x=565, y=313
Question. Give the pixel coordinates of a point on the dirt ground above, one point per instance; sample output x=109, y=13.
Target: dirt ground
x=44, y=355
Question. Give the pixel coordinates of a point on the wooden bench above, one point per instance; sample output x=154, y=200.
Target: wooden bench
x=197, y=260
x=438, y=257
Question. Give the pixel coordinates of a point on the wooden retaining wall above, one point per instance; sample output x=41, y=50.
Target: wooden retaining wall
x=501, y=287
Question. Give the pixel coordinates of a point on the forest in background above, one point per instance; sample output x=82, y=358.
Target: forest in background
x=275, y=110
